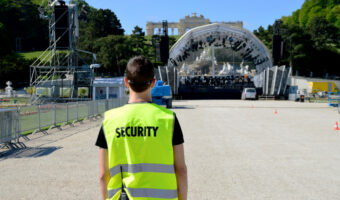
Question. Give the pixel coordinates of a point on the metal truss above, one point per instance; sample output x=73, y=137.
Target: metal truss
x=223, y=36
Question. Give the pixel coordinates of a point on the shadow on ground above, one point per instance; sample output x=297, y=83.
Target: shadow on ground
x=28, y=152
x=183, y=107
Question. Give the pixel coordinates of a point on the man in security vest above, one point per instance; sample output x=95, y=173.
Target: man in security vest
x=141, y=144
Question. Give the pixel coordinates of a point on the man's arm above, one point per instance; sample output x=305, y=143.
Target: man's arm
x=104, y=174
x=181, y=172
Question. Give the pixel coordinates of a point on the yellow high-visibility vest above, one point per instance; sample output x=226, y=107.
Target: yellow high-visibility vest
x=141, y=160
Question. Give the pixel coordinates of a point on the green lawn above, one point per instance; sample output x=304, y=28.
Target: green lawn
x=65, y=113
x=31, y=55
x=29, y=120
x=14, y=100
x=36, y=54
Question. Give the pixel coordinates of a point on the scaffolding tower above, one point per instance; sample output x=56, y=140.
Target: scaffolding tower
x=60, y=74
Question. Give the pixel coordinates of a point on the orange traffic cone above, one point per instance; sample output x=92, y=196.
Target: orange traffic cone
x=275, y=111
x=336, y=126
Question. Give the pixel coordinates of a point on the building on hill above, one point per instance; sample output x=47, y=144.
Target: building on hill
x=184, y=25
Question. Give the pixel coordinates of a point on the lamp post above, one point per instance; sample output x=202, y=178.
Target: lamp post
x=213, y=60
x=93, y=67
x=290, y=53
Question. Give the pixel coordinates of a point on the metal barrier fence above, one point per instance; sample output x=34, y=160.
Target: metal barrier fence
x=333, y=99
x=9, y=125
x=35, y=118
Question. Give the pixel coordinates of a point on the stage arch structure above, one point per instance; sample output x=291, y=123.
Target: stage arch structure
x=221, y=35
x=218, y=36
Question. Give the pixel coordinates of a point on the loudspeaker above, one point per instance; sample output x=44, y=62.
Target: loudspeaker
x=61, y=26
x=277, y=41
x=164, y=49
x=158, y=52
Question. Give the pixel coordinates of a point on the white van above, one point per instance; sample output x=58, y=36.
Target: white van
x=248, y=93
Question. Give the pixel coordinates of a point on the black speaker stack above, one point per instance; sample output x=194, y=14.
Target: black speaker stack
x=164, y=44
x=277, y=43
x=61, y=25
x=164, y=49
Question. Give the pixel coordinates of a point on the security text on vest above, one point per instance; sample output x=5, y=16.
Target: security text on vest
x=137, y=131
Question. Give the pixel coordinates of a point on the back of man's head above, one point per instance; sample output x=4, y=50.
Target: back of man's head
x=140, y=73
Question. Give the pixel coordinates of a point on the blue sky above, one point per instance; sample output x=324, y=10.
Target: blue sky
x=253, y=13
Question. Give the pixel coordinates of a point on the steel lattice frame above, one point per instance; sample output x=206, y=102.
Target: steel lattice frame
x=259, y=53
x=51, y=67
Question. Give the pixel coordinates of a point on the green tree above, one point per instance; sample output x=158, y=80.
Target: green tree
x=318, y=8
x=311, y=41
x=138, y=41
x=265, y=35
x=15, y=69
x=103, y=23
x=322, y=32
x=21, y=20
x=6, y=47
x=172, y=40
x=334, y=16
x=113, y=52
x=96, y=24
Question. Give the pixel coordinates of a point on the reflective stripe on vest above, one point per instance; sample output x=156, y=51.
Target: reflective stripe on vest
x=146, y=193
x=111, y=193
x=139, y=140
x=144, y=167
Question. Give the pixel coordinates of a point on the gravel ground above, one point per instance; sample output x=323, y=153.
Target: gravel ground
x=233, y=151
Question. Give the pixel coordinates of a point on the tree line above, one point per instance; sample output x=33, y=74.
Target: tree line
x=310, y=35
x=311, y=39
x=100, y=32
x=19, y=24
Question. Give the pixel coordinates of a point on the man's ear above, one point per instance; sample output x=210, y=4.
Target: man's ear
x=126, y=82
x=153, y=83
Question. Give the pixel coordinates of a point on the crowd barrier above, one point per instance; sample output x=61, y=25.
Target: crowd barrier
x=29, y=119
x=334, y=99
x=9, y=125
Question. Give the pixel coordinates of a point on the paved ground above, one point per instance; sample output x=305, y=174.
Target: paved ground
x=233, y=151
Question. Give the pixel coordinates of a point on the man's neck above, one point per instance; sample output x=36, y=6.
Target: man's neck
x=139, y=97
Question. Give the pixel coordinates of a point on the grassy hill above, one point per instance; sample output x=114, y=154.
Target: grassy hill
x=30, y=55
x=39, y=2
x=35, y=54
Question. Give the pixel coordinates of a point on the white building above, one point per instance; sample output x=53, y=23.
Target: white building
x=109, y=88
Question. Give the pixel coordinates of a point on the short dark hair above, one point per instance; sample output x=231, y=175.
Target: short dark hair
x=140, y=73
